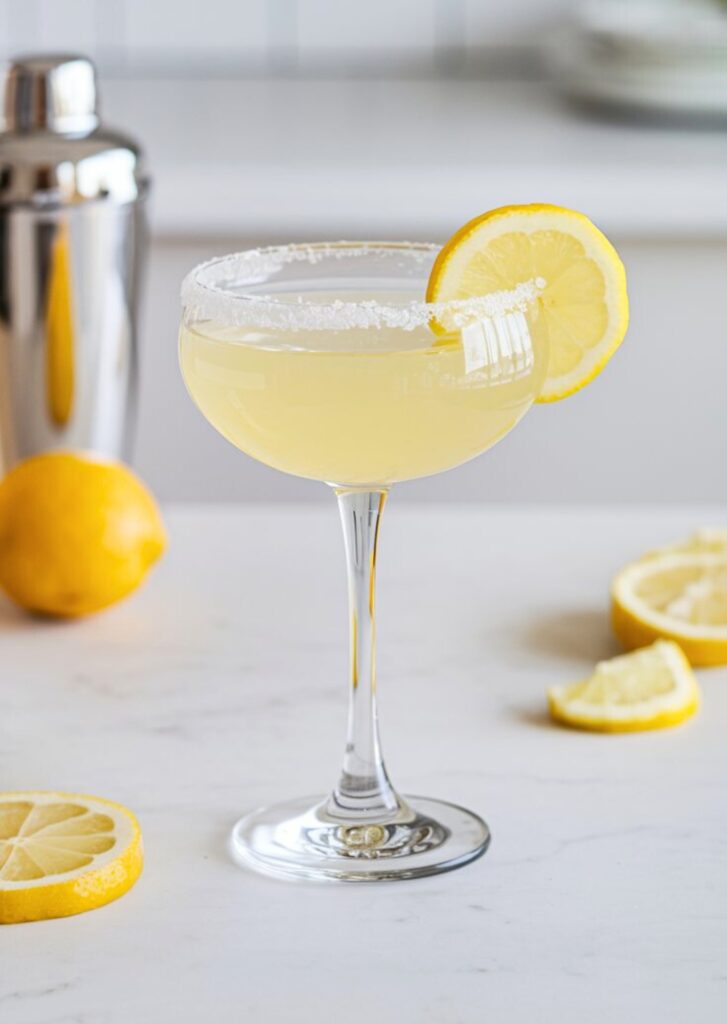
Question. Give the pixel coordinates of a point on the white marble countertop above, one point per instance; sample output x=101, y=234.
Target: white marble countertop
x=220, y=686
x=258, y=159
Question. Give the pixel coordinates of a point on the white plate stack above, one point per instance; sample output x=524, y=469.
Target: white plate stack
x=668, y=56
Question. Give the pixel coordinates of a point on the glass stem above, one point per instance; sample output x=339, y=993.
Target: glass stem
x=364, y=791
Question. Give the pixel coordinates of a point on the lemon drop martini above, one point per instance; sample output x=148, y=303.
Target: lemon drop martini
x=367, y=393
x=328, y=362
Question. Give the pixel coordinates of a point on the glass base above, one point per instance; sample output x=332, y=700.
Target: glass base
x=301, y=839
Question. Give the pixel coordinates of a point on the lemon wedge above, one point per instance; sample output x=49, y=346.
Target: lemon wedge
x=679, y=593
x=62, y=854
x=584, y=296
x=649, y=689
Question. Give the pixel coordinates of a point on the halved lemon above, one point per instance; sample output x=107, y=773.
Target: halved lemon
x=583, y=297
x=650, y=689
x=678, y=593
x=62, y=854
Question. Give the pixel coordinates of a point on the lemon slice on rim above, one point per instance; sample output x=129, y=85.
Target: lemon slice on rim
x=62, y=854
x=584, y=296
x=650, y=689
x=677, y=593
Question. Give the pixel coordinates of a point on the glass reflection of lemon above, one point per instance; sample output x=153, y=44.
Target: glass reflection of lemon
x=59, y=329
x=76, y=533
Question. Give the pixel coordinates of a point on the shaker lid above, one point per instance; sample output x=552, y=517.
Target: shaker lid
x=53, y=151
x=51, y=92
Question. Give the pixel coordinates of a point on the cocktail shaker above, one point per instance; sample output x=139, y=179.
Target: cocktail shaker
x=72, y=241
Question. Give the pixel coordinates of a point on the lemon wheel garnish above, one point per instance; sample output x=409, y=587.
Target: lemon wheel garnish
x=679, y=593
x=649, y=689
x=62, y=854
x=584, y=296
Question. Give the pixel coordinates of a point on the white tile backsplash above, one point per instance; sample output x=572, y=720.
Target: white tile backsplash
x=517, y=23
x=406, y=25
x=66, y=26
x=259, y=36
x=23, y=24
x=204, y=26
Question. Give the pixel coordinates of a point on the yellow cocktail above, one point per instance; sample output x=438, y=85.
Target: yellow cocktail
x=362, y=405
x=325, y=362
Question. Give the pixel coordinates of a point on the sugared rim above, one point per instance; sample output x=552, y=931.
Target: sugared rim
x=206, y=294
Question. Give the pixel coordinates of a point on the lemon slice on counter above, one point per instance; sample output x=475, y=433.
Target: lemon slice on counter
x=62, y=854
x=649, y=689
x=584, y=297
x=679, y=594
x=707, y=539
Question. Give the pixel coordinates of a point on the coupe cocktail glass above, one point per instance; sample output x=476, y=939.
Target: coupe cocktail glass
x=323, y=361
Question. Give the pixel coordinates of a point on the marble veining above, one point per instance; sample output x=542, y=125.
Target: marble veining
x=221, y=686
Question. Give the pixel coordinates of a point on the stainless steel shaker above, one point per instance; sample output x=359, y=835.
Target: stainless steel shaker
x=72, y=241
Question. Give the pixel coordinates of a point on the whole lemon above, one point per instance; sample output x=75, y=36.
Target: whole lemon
x=77, y=533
